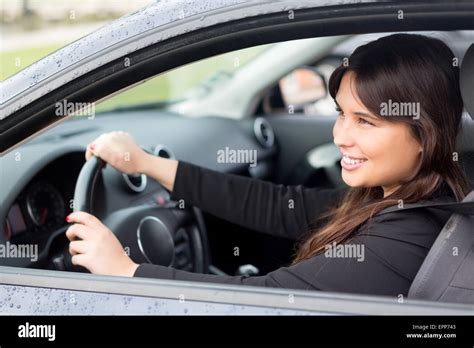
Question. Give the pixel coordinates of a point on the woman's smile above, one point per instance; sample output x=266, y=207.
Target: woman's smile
x=352, y=163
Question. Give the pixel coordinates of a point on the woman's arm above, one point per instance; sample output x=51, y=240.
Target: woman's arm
x=161, y=169
x=285, y=211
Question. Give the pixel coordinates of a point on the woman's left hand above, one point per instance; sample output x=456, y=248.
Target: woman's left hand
x=95, y=247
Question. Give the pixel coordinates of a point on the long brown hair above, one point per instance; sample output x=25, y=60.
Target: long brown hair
x=401, y=68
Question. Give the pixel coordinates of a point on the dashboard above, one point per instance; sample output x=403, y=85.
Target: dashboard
x=40, y=209
x=44, y=202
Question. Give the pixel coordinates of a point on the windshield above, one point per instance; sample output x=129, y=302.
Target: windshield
x=189, y=81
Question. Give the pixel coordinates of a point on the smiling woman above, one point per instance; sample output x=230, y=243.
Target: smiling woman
x=404, y=158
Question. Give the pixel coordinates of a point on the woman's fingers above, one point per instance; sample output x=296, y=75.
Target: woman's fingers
x=77, y=231
x=89, y=152
x=84, y=226
x=94, y=147
x=78, y=247
x=81, y=260
x=86, y=219
x=98, y=249
x=118, y=149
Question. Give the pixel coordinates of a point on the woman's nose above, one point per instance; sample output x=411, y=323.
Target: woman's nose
x=343, y=134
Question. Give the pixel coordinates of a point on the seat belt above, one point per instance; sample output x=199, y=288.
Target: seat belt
x=465, y=208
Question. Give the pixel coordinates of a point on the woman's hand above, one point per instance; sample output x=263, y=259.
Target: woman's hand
x=96, y=248
x=119, y=150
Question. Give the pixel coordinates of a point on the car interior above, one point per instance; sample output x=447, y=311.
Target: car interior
x=294, y=148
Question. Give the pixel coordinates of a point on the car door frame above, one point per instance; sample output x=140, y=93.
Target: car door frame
x=40, y=289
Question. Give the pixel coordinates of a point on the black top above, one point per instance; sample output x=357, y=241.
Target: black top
x=385, y=256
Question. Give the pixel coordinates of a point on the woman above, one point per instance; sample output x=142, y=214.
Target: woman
x=399, y=115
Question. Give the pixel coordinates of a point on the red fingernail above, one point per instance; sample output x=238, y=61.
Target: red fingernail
x=67, y=218
x=92, y=146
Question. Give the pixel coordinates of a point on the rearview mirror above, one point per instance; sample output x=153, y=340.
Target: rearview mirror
x=302, y=86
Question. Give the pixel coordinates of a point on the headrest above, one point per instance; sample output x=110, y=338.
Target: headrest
x=466, y=80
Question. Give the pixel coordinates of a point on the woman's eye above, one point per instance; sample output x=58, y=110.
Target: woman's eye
x=339, y=110
x=365, y=122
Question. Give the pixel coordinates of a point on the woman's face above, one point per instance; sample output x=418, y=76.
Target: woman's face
x=375, y=152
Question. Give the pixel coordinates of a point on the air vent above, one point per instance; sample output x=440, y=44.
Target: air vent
x=263, y=132
x=135, y=182
x=183, y=255
x=162, y=151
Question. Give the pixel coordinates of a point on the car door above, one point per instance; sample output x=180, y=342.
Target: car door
x=43, y=292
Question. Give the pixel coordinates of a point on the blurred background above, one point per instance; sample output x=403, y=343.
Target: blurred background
x=32, y=29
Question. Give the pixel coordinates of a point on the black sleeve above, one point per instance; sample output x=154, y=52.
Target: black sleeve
x=285, y=211
x=383, y=260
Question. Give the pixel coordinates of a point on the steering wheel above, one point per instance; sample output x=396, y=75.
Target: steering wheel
x=161, y=235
